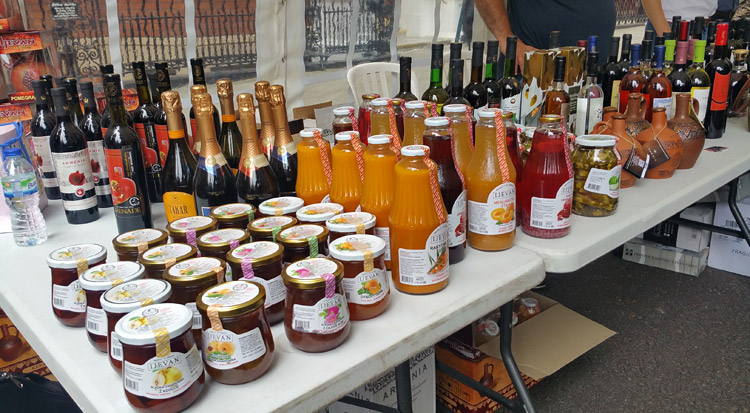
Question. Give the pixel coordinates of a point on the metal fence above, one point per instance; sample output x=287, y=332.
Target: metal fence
x=226, y=41
x=630, y=12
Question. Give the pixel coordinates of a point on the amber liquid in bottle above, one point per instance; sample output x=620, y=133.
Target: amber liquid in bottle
x=284, y=154
x=230, y=139
x=256, y=182
x=557, y=100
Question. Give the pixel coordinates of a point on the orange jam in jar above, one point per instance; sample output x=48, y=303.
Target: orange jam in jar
x=260, y=262
x=233, y=215
x=159, y=258
x=303, y=241
x=266, y=229
x=285, y=205
x=351, y=223
x=187, y=230
x=318, y=213
x=129, y=245
x=66, y=265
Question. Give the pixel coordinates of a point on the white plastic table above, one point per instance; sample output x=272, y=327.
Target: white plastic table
x=297, y=381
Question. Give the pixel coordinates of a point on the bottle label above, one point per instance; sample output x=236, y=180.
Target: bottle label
x=673, y=107
x=99, y=167
x=253, y=163
x=96, y=321
x=124, y=192
x=720, y=92
x=43, y=158
x=162, y=140
x=146, y=131
x=457, y=221
x=615, y=99
x=275, y=289
x=512, y=104
x=75, y=179
x=496, y=216
x=69, y=297
x=701, y=94
x=115, y=348
x=553, y=213
x=327, y=316
x=565, y=113
x=282, y=152
x=663, y=103
x=24, y=187
x=605, y=182
x=179, y=205
x=212, y=163
x=589, y=114
x=163, y=377
x=366, y=288
x=384, y=234
x=226, y=350
x=426, y=266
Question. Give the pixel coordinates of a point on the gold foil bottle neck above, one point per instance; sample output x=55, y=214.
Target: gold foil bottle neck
x=245, y=104
x=224, y=88
x=170, y=101
x=262, y=91
x=277, y=95
x=196, y=90
x=203, y=105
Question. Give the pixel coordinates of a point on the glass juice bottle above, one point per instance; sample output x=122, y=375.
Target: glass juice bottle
x=379, y=186
x=461, y=124
x=314, y=167
x=343, y=119
x=346, y=184
x=284, y=153
x=365, y=129
x=416, y=113
x=380, y=122
x=513, y=143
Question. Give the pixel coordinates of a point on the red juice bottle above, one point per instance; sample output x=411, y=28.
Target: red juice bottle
x=364, y=116
x=514, y=146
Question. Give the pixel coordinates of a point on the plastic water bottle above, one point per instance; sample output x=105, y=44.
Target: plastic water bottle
x=21, y=191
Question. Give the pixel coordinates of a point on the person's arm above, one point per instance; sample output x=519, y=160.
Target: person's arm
x=655, y=13
x=496, y=18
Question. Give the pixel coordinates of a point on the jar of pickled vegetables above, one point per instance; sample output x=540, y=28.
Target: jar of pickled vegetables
x=260, y=262
x=219, y=242
x=285, y=205
x=596, y=186
x=266, y=229
x=187, y=230
x=233, y=215
x=157, y=259
x=303, y=241
x=129, y=245
x=318, y=213
x=351, y=223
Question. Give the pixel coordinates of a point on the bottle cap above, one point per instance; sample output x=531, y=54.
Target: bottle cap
x=454, y=108
x=380, y=102
x=342, y=110
x=487, y=113
x=346, y=136
x=309, y=132
x=379, y=139
x=413, y=150
x=437, y=121
x=224, y=88
x=414, y=104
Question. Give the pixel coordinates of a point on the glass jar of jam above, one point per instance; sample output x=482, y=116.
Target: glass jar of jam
x=187, y=230
x=233, y=215
x=528, y=308
x=95, y=281
x=66, y=264
x=219, y=242
x=237, y=340
x=285, y=205
x=316, y=318
x=351, y=223
x=129, y=245
x=124, y=298
x=343, y=117
x=266, y=229
x=162, y=366
x=157, y=259
x=596, y=182
x=189, y=278
x=303, y=241
x=260, y=262
x=318, y=213
x=365, y=279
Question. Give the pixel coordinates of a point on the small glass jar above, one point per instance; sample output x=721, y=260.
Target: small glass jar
x=189, y=278
x=129, y=245
x=260, y=262
x=365, y=279
x=163, y=368
x=596, y=183
x=187, y=230
x=285, y=205
x=233, y=215
x=318, y=213
x=157, y=259
x=124, y=298
x=237, y=340
x=303, y=241
x=342, y=121
x=219, y=242
x=528, y=308
x=316, y=317
x=350, y=223
x=66, y=264
x=266, y=229
x=95, y=281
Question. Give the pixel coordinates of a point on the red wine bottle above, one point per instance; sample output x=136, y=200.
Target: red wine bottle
x=91, y=127
x=144, y=122
x=108, y=69
x=41, y=128
x=718, y=71
x=163, y=84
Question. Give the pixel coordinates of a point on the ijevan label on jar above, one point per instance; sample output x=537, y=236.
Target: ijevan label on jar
x=96, y=321
x=327, y=316
x=496, y=216
x=163, y=377
x=226, y=350
x=75, y=179
x=69, y=297
x=44, y=160
x=553, y=213
x=366, y=288
x=99, y=167
x=457, y=221
x=605, y=182
x=427, y=266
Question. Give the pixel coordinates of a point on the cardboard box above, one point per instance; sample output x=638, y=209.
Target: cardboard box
x=684, y=236
x=541, y=346
x=664, y=257
x=26, y=56
x=730, y=253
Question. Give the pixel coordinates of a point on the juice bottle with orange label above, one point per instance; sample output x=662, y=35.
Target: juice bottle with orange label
x=462, y=134
x=491, y=186
x=346, y=163
x=379, y=186
x=416, y=113
x=419, y=232
x=313, y=167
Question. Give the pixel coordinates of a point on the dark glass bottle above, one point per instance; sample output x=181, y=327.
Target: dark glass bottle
x=554, y=40
x=267, y=125
x=74, y=102
x=457, y=83
x=679, y=78
x=647, y=50
x=256, y=182
x=625, y=54
x=180, y=165
x=658, y=87
x=475, y=92
x=108, y=69
x=284, y=153
x=612, y=75
x=60, y=81
x=699, y=80
x=404, y=91
x=196, y=90
x=144, y=122
x=719, y=72
x=214, y=183
x=738, y=78
x=72, y=165
x=557, y=100
x=455, y=53
x=494, y=94
x=42, y=125
x=47, y=81
x=633, y=81
x=510, y=87
x=91, y=127
x=710, y=41
x=698, y=27
x=230, y=140
x=435, y=92
x=163, y=84
x=199, y=78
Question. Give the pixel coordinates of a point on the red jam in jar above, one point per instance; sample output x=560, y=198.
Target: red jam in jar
x=285, y=205
x=162, y=366
x=266, y=229
x=95, y=281
x=187, y=230
x=237, y=340
x=157, y=259
x=219, y=242
x=316, y=317
x=365, y=279
x=66, y=265
x=303, y=241
x=124, y=298
x=129, y=245
x=233, y=215
x=318, y=213
x=260, y=262
x=350, y=223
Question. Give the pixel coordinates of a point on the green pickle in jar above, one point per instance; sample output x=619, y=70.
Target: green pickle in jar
x=597, y=175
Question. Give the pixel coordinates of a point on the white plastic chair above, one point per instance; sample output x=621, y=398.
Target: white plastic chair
x=377, y=77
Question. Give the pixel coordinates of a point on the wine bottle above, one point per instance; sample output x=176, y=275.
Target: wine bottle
x=647, y=49
x=144, y=122
x=455, y=53
x=284, y=153
x=47, y=79
x=404, y=91
x=625, y=54
x=127, y=170
x=435, y=92
x=230, y=139
x=256, y=182
x=457, y=83
x=738, y=77
x=698, y=27
x=591, y=100
x=699, y=80
x=494, y=94
x=180, y=164
x=710, y=39
x=633, y=81
x=679, y=78
x=163, y=84
x=196, y=90
x=509, y=85
x=718, y=71
x=675, y=24
x=475, y=92
x=658, y=88
x=612, y=75
x=557, y=100
x=554, y=40
x=72, y=165
x=199, y=78
x=74, y=102
x=91, y=127
x=108, y=69
x=669, y=55
x=267, y=123
x=42, y=125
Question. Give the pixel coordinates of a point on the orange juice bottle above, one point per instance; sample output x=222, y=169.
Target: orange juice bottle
x=313, y=167
x=462, y=134
x=380, y=122
x=491, y=186
x=346, y=185
x=419, y=232
x=416, y=113
x=379, y=186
